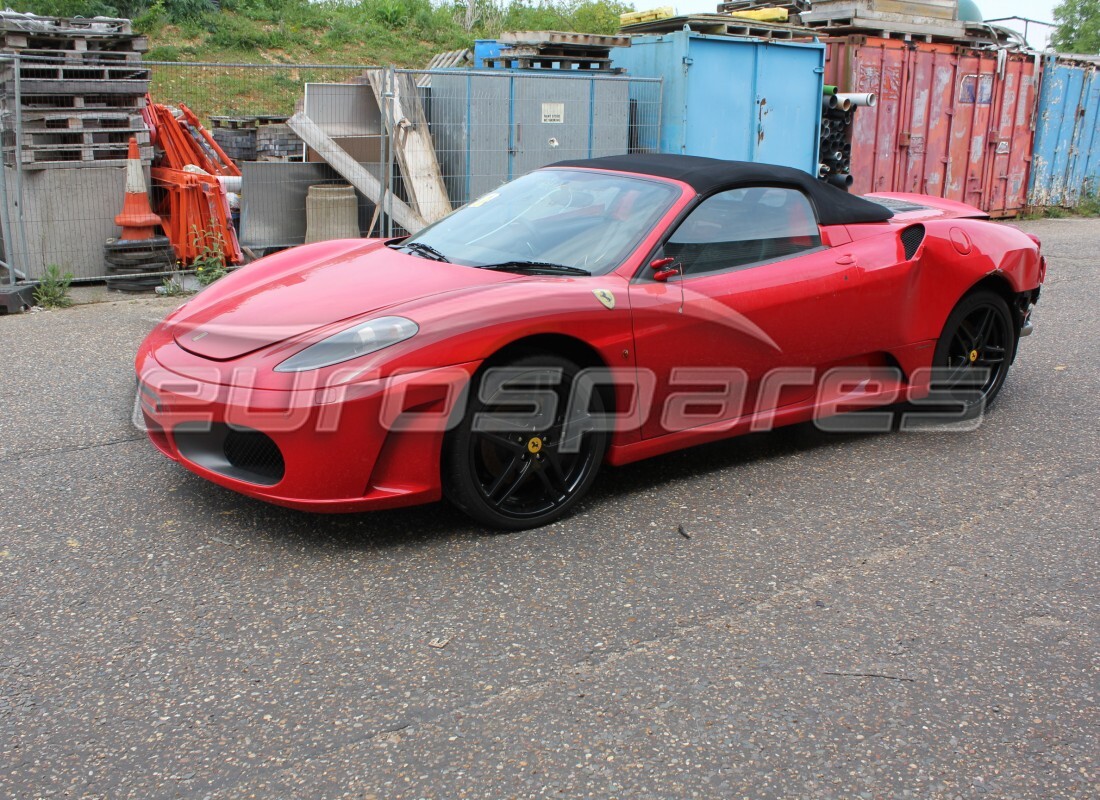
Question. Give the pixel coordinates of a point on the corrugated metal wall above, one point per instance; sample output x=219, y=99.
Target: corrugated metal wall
x=950, y=122
x=1065, y=166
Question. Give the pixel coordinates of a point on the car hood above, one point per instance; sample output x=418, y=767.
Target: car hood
x=300, y=290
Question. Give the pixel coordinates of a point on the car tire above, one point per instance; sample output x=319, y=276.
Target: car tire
x=519, y=477
x=979, y=334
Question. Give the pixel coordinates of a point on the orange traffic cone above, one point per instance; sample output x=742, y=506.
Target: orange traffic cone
x=137, y=219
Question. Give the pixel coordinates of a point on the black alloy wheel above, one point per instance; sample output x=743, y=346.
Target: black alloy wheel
x=516, y=476
x=975, y=351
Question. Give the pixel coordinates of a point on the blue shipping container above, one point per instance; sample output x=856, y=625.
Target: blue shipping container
x=1065, y=161
x=734, y=98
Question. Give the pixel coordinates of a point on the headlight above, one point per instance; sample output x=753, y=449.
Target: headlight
x=367, y=337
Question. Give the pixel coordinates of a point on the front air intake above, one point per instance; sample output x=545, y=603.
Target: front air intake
x=911, y=238
x=239, y=453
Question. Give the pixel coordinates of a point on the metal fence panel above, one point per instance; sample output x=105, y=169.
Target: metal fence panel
x=414, y=144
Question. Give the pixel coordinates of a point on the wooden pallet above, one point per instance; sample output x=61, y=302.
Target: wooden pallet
x=41, y=121
x=83, y=137
x=38, y=87
x=11, y=21
x=556, y=51
x=81, y=103
x=842, y=27
x=69, y=71
x=563, y=38
x=28, y=56
x=558, y=63
x=845, y=19
x=792, y=6
x=17, y=42
x=722, y=25
x=99, y=155
x=251, y=121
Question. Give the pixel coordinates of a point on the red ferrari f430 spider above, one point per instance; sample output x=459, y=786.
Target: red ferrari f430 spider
x=590, y=312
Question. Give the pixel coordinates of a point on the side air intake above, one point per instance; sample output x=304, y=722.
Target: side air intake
x=911, y=238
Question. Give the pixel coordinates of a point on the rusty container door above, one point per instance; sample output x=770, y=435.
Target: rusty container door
x=950, y=122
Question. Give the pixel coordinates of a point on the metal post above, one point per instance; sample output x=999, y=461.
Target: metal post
x=388, y=85
x=660, y=110
x=18, y=162
x=5, y=221
x=5, y=225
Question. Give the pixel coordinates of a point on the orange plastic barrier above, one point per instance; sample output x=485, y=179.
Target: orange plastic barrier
x=194, y=207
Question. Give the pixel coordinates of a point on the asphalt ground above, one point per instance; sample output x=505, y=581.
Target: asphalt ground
x=901, y=615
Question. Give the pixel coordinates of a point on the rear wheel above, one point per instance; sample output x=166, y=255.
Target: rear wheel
x=974, y=351
x=515, y=475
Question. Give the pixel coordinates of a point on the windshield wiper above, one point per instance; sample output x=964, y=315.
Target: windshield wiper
x=424, y=251
x=535, y=266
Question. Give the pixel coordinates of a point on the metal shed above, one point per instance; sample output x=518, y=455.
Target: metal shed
x=951, y=121
x=1064, y=166
x=732, y=97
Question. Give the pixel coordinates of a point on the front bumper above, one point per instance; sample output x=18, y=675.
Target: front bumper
x=358, y=447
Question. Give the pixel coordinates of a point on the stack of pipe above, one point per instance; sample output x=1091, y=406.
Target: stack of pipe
x=837, y=112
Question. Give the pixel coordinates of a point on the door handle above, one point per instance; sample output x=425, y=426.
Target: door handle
x=845, y=259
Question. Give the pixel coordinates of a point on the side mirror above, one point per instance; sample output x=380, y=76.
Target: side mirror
x=664, y=268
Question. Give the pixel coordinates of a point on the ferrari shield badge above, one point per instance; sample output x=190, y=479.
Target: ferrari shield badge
x=605, y=297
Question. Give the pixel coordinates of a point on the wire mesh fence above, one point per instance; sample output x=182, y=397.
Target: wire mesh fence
x=318, y=151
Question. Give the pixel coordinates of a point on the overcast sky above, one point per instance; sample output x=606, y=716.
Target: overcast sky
x=1032, y=9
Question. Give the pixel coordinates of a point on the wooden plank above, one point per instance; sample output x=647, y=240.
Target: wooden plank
x=412, y=143
x=353, y=172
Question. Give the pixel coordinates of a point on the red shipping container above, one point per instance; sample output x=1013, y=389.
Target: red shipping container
x=951, y=121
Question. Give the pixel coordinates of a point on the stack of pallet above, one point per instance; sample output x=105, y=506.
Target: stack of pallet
x=236, y=136
x=724, y=24
x=262, y=137
x=276, y=141
x=791, y=6
x=73, y=91
x=920, y=20
x=557, y=50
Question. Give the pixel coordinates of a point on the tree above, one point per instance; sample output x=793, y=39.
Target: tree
x=1078, y=28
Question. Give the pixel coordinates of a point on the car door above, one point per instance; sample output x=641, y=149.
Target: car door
x=760, y=308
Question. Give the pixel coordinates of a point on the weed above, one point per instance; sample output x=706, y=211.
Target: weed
x=172, y=287
x=209, y=264
x=53, y=288
x=1089, y=206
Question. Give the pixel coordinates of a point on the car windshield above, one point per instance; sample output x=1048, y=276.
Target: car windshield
x=560, y=218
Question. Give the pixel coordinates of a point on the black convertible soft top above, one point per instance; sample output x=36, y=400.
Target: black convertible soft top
x=708, y=175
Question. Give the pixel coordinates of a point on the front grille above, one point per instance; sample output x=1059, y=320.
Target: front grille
x=911, y=238
x=240, y=453
x=254, y=452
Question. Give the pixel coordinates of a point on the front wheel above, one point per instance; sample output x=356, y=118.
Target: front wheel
x=974, y=351
x=513, y=469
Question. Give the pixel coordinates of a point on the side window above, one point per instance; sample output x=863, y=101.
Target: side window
x=741, y=227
